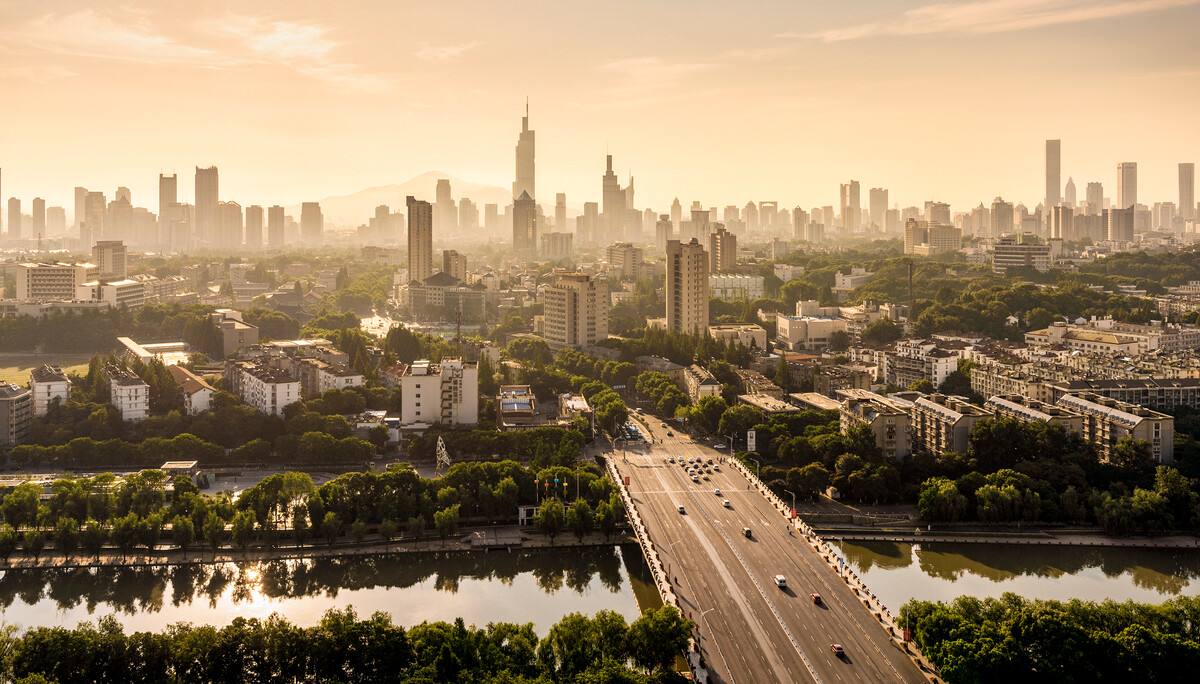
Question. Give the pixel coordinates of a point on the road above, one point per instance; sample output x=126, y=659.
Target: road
x=749, y=629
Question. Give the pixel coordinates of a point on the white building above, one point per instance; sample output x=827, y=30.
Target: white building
x=48, y=383
x=197, y=394
x=576, y=311
x=118, y=294
x=48, y=282
x=741, y=335
x=445, y=393
x=804, y=332
x=687, y=287
x=735, y=286
x=127, y=393
x=846, y=282
x=267, y=389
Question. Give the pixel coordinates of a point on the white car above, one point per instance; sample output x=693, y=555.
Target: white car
x=680, y=508
x=780, y=580
x=717, y=491
x=695, y=479
x=726, y=503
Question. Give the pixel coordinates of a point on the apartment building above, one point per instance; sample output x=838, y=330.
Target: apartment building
x=49, y=282
x=911, y=361
x=1106, y=421
x=48, y=383
x=126, y=293
x=995, y=379
x=235, y=332
x=127, y=393
x=197, y=393
x=700, y=383
x=318, y=376
x=942, y=423
x=887, y=420
x=16, y=414
x=516, y=407
x=754, y=336
x=267, y=388
x=1029, y=410
x=576, y=311
x=444, y=393
x=687, y=287
x=1159, y=394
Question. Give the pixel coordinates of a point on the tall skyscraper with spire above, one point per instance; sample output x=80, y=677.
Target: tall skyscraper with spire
x=524, y=182
x=615, y=203
x=1053, y=174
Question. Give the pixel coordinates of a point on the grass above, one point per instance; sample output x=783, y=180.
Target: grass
x=15, y=366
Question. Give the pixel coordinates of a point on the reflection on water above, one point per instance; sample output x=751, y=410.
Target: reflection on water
x=897, y=572
x=529, y=586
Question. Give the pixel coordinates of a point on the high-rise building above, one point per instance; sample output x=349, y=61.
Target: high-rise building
x=491, y=218
x=557, y=246
x=687, y=287
x=312, y=223
x=879, y=206
x=275, y=223
x=560, y=212
x=468, y=216
x=14, y=218
x=39, y=217
x=1095, y=198
x=254, y=227
x=420, y=239
x=95, y=207
x=1061, y=222
x=229, y=222
x=624, y=261
x=80, y=207
x=1002, y=217
x=1053, y=174
x=676, y=214
x=937, y=212
x=1126, y=184
x=168, y=194
x=1069, y=193
x=207, y=192
x=722, y=251
x=663, y=231
x=576, y=310
x=1187, y=190
x=454, y=264
x=524, y=183
x=112, y=258
x=927, y=239
x=525, y=233
x=445, y=212
x=56, y=221
x=851, y=207
x=1120, y=224
x=613, y=209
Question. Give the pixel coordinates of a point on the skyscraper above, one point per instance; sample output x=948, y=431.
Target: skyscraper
x=879, y=205
x=1062, y=222
x=254, y=227
x=687, y=288
x=560, y=212
x=168, y=194
x=454, y=263
x=1187, y=190
x=229, y=220
x=312, y=223
x=1069, y=193
x=576, y=310
x=80, y=207
x=39, y=217
x=676, y=214
x=275, y=223
x=1126, y=185
x=111, y=258
x=722, y=250
x=612, y=211
x=937, y=212
x=14, y=218
x=851, y=207
x=1095, y=198
x=524, y=218
x=1053, y=174
x=207, y=191
x=420, y=239
x=524, y=183
x=95, y=207
x=445, y=214
x=1002, y=217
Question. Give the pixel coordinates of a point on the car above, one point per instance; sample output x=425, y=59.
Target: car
x=726, y=504
x=838, y=650
x=663, y=425
x=671, y=460
x=816, y=598
x=670, y=434
x=717, y=491
x=706, y=476
x=695, y=479
x=716, y=467
x=680, y=508
x=781, y=581
x=719, y=446
x=710, y=461
x=747, y=533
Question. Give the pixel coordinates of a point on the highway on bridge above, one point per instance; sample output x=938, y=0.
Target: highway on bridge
x=750, y=630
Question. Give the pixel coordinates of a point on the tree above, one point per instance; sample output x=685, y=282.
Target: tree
x=331, y=527
x=66, y=534
x=606, y=521
x=658, y=637
x=550, y=517
x=358, y=530
x=940, y=501
x=580, y=519
x=881, y=332
x=242, y=529
x=445, y=521
x=839, y=340
x=183, y=532
x=214, y=530
x=415, y=527
x=808, y=481
x=738, y=419
x=8, y=540
x=92, y=537
x=34, y=541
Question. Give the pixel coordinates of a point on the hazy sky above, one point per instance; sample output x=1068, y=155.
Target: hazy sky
x=717, y=101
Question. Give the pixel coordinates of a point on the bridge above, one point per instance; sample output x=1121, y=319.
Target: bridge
x=747, y=628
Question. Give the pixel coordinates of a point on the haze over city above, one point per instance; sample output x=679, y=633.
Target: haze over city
x=703, y=100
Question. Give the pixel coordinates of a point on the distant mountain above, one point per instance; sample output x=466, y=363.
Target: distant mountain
x=357, y=208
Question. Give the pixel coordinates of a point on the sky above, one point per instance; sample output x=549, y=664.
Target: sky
x=721, y=102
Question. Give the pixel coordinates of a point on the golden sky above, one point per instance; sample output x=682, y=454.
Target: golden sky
x=722, y=102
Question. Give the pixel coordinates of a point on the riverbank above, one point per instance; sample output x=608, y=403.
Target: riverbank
x=1036, y=537
x=479, y=540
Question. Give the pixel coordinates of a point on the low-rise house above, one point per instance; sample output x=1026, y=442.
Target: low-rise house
x=197, y=393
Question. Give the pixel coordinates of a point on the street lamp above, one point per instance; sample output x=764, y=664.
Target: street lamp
x=757, y=467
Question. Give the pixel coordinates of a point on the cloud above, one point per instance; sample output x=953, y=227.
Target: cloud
x=993, y=16
x=642, y=81
x=86, y=33
x=443, y=53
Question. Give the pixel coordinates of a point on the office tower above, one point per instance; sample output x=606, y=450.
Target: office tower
x=118, y=223
x=420, y=239
x=1069, y=193
x=229, y=225
x=275, y=223
x=676, y=215
x=879, y=205
x=576, y=310
x=524, y=182
x=750, y=217
x=14, y=218
x=454, y=264
x=624, y=261
x=557, y=246
x=254, y=227
x=1002, y=217
x=927, y=239
x=445, y=213
x=1187, y=190
x=613, y=207
x=1126, y=184
x=95, y=207
x=168, y=194
x=1061, y=223
x=1095, y=198
x=800, y=222
x=56, y=221
x=207, y=191
x=937, y=212
x=978, y=222
x=851, y=207
x=687, y=288
x=722, y=251
x=123, y=195
x=1120, y=224
x=80, y=207
x=892, y=221
x=560, y=212
x=468, y=216
x=112, y=259
x=491, y=218
x=524, y=233
x=663, y=231
x=312, y=223
x=587, y=224
x=1053, y=174
x=1164, y=216
x=38, y=218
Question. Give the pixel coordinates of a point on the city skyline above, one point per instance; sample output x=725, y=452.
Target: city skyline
x=748, y=121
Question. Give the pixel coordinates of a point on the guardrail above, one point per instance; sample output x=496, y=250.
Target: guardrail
x=834, y=561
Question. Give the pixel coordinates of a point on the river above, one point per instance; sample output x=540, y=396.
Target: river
x=897, y=572
x=538, y=586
